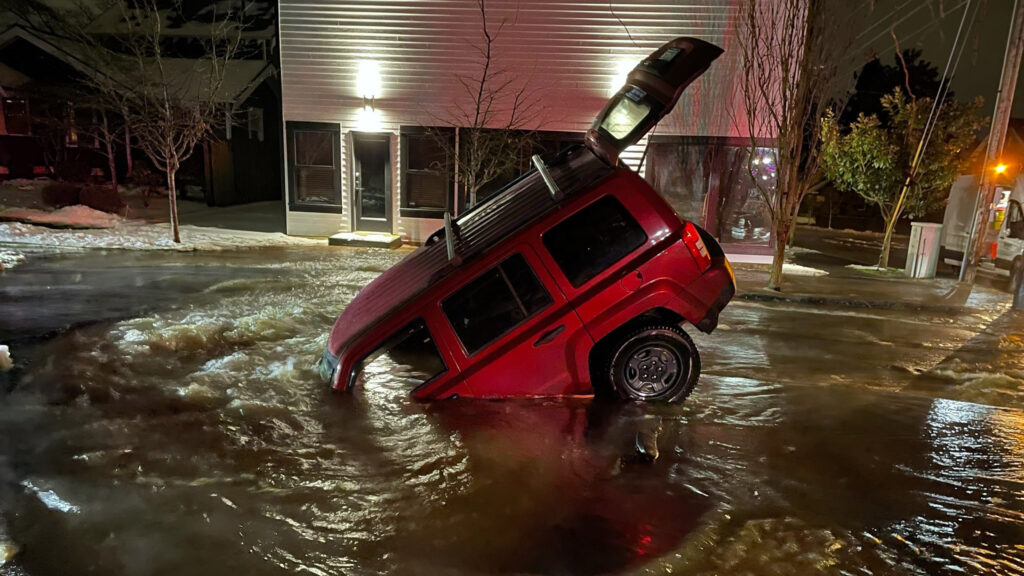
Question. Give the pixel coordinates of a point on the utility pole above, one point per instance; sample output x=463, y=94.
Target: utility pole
x=980, y=237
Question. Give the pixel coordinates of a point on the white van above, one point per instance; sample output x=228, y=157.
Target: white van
x=1009, y=220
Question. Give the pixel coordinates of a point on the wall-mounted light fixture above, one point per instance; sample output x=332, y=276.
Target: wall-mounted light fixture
x=368, y=83
x=622, y=70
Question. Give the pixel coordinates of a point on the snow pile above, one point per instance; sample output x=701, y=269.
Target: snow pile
x=798, y=270
x=9, y=259
x=77, y=216
x=5, y=358
x=134, y=235
x=874, y=269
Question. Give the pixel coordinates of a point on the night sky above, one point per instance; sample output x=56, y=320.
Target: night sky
x=931, y=26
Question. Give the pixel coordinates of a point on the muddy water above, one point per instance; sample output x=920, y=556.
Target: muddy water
x=176, y=427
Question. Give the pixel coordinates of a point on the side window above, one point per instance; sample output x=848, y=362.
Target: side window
x=410, y=356
x=495, y=302
x=592, y=240
x=1015, y=220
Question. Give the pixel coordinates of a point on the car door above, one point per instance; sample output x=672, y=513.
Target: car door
x=1011, y=237
x=516, y=329
x=650, y=92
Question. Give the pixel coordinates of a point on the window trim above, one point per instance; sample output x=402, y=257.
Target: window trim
x=540, y=282
x=403, y=159
x=291, y=126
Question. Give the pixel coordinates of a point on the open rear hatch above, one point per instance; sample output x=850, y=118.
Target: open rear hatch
x=649, y=94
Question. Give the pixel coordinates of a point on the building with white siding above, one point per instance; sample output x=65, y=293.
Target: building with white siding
x=362, y=79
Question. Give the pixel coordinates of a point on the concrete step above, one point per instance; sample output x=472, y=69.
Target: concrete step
x=365, y=240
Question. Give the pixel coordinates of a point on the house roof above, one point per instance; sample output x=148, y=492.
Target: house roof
x=11, y=78
x=240, y=77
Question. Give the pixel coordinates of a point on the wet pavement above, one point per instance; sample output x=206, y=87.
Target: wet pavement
x=163, y=417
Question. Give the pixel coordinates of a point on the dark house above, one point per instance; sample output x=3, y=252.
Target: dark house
x=241, y=165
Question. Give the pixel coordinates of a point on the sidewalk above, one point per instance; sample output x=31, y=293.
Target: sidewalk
x=834, y=251
x=845, y=287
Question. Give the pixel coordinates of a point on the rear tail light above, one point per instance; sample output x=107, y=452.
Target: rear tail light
x=700, y=252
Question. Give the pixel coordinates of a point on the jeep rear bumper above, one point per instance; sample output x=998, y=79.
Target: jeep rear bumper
x=717, y=280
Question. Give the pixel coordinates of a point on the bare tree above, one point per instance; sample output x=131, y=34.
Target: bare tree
x=170, y=105
x=496, y=116
x=792, y=52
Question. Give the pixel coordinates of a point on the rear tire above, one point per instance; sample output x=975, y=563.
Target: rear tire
x=655, y=363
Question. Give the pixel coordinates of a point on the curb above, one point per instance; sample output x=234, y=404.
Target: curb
x=854, y=303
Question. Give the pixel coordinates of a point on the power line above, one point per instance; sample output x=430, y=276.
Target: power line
x=905, y=37
x=905, y=17
x=882, y=19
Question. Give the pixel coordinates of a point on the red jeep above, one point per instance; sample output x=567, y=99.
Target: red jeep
x=574, y=279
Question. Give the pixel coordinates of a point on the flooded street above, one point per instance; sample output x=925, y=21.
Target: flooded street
x=163, y=417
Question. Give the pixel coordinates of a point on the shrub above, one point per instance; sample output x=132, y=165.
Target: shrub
x=60, y=194
x=72, y=170
x=102, y=197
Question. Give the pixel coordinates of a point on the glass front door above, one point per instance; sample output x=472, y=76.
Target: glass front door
x=371, y=181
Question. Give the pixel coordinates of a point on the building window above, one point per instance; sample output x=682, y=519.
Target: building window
x=255, y=122
x=16, y=116
x=719, y=183
x=593, y=240
x=546, y=143
x=427, y=179
x=314, y=160
x=494, y=303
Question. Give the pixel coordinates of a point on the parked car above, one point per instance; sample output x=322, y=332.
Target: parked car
x=575, y=278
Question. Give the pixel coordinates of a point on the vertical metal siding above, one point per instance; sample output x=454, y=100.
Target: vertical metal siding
x=570, y=50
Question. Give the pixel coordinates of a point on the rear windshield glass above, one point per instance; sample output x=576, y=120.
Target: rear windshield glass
x=592, y=240
x=495, y=303
x=408, y=358
x=624, y=118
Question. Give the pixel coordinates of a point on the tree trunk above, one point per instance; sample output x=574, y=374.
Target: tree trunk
x=883, y=258
x=111, y=160
x=782, y=231
x=890, y=229
x=172, y=197
x=128, y=149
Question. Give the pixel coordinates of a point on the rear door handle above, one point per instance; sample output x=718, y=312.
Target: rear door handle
x=549, y=335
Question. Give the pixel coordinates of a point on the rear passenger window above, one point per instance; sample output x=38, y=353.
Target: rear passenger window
x=495, y=302
x=592, y=240
x=409, y=357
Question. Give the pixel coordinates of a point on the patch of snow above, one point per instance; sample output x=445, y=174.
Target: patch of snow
x=51, y=500
x=77, y=216
x=134, y=235
x=874, y=269
x=9, y=259
x=5, y=358
x=798, y=270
